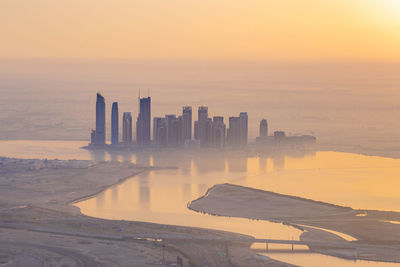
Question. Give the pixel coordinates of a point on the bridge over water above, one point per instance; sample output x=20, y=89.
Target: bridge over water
x=332, y=244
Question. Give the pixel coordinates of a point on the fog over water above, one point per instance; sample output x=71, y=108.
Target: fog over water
x=356, y=105
x=347, y=106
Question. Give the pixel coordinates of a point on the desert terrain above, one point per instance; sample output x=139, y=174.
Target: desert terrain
x=362, y=234
x=39, y=227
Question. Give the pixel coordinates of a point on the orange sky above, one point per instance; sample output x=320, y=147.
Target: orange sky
x=201, y=29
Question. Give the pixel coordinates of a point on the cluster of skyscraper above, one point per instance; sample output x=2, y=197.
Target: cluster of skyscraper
x=174, y=131
x=98, y=136
x=213, y=132
x=171, y=130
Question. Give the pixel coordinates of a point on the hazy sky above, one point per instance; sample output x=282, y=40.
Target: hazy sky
x=205, y=29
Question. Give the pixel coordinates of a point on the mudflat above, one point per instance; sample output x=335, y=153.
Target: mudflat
x=38, y=226
x=376, y=234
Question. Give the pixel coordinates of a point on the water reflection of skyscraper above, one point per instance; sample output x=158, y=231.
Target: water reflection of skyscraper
x=143, y=159
x=128, y=157
x=185, y=170
x=279, y=162
x=209, y=164
x=98, y=155
x=237, y=164
x=186, y=193
x=100, y=200
x=204, y=163
x=113, y=156
x=144, y=191
x=167, y=159
x=201, y=189
x=263, y=164
x=114, y=194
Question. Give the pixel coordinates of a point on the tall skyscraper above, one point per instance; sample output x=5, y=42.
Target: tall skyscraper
x=208, y=138
x=143, y=122
x=156, y=122
x=114, y=124
x=187, y=123
x=263, y=128
x=243, y=128
x=179, y=130
x=279, y=135
x=218, y=132
x=202, y=123
x=174, y=130
x=127, y=128
x=177, y=126
x=196, y=130
x=100, y=134
x=234, y=131
x=159, y=132
x=171, y=133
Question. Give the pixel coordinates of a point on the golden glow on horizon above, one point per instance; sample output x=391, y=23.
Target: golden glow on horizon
x=208, y=29
x=393, y=6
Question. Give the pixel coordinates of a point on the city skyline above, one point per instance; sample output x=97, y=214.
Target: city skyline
x=174, y=131
x=168, y=131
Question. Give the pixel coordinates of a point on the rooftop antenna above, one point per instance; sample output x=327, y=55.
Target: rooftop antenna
x=139, y=102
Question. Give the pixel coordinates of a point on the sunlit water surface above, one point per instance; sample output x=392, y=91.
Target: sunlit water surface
x=161, y=196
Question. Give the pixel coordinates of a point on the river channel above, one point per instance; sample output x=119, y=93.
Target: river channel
x=161, y=196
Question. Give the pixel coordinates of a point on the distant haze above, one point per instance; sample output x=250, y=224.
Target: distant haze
x=344, y=104
x=324, y=67
x=207, y=29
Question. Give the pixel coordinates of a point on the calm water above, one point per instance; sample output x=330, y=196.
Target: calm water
x=318, y=260
x=161, y=196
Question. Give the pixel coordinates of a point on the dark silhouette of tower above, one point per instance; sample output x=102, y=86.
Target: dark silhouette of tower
x=127, y=128
x=171, y=130
x=243, y=128
x=100, y=134
x=201, y=126
x=143, y=122
x=187, y=123
x=114, y=124
x=234, y=131
x=218, y=132
x=263, y=128
x=159, y=132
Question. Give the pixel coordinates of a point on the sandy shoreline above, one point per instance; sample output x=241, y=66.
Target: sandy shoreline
x=377, y=239
x=35, y=215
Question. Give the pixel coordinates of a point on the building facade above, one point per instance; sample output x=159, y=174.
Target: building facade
x=244, y=126
x=114, y=124
x=171, y=130
x=263, y=128
x=98, y=136
x=233, y=135
x=159, y=132
x=143, y=122
x=187, y=123
x=202, y=126
x=127, y=128
x=218, y=132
